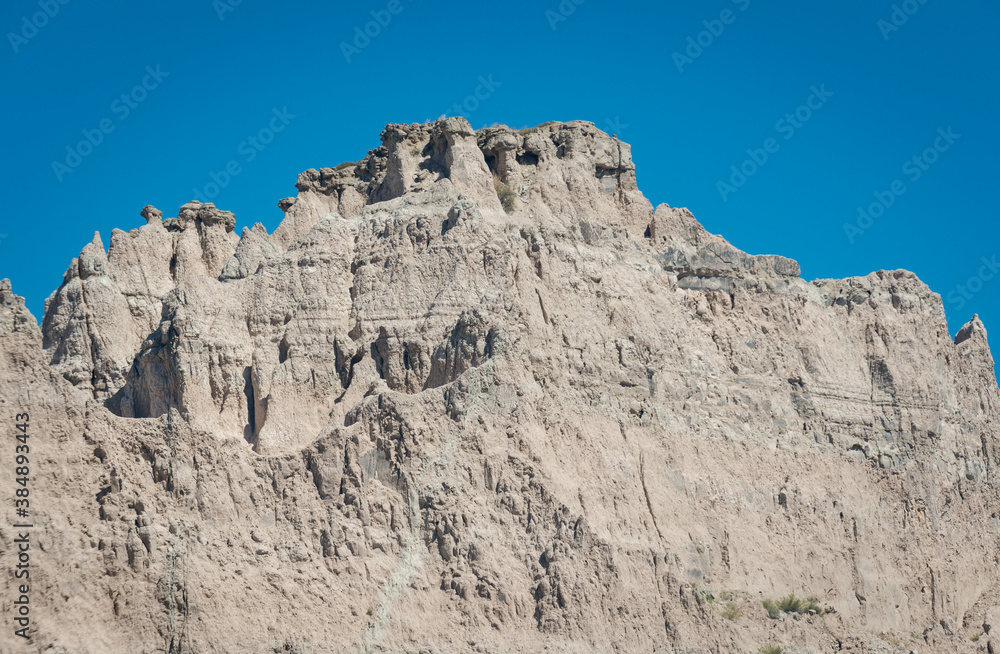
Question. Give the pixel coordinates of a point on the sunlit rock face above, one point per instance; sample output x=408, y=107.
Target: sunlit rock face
x=475, y=394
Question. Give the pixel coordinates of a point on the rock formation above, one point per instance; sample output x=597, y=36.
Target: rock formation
x=414, y=419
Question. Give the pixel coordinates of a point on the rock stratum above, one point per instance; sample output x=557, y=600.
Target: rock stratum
x=475, y=394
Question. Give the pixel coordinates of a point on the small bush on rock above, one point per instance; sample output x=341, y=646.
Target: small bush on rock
x=790, y=604
x=505, y=193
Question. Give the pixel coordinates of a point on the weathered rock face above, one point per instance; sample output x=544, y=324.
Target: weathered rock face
x=413, y=421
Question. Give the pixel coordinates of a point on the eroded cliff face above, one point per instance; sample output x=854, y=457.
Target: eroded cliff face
x=413, y=421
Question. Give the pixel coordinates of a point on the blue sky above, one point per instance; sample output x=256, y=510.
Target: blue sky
x=700, y=89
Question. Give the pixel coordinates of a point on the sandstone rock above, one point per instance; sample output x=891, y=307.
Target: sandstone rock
x=971, y=330
x=253, y=251
x=14, y=317
x=408, y=421
x=151, y=214
x=992, y=621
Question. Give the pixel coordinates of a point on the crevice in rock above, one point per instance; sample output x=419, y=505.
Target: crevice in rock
x=881, y=376
x=527, y=159
x=379, y=360
x=471, y=343
x=541, y=305
x=491, y=162
x=250, y=432
x=645, y=491
x=345, y=366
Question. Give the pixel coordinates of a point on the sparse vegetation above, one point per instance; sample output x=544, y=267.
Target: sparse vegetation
x=975, y=638
x=771, y=649
x=505, y=193
x=732, y=612
x=346, y=164
x=811, y=606
x=415, y=151
x=791, y=604
x=531, y=130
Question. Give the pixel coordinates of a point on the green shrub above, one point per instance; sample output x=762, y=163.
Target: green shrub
x=793, y=604
x=772, y=609
x=771, y=649
x=505, y=194
x=790, y=604
x=346, y=164
x=732, y=612
x=975, y=638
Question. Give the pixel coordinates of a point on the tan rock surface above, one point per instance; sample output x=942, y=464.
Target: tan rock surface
x=409, y=421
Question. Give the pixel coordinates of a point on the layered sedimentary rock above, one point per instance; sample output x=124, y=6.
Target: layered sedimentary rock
x=414, y=419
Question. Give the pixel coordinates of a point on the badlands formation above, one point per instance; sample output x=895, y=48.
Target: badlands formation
x=475, y=394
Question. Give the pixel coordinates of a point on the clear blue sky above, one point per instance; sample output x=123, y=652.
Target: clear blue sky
x=223, y=69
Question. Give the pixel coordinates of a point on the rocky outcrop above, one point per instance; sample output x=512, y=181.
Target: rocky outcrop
x=14, y=317
x=253, y=251
x=416, y=419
